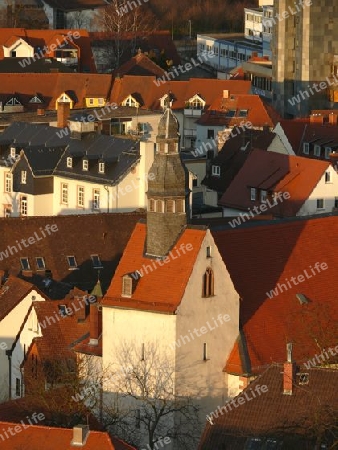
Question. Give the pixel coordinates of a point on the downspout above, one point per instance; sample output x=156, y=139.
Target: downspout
x=9, y=355
x=107, y=189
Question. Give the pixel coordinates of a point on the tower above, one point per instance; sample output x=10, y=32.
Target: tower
x=305, y=48
x=168, y=190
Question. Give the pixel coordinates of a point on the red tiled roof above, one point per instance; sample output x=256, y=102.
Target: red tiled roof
x=257, y=112
x=276, y=172
x=139, y=65
x=51, y=85
x=11, y=294
x=145, y=86
x=149, y=294
x=260, y=257
x=38, y=436
x=41, y=38
x=310, y=408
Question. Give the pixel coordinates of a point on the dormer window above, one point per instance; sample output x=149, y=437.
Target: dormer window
x=130, y=101
x=216, y=171
x=306, y=148
x=69, y=162
x=127, y=286
x=101, y=167
x=263, y=196
x=253, y=194
x=196, y=103
x=13, y=152
x=317, y=150
x=85, y=164
x=328, y=150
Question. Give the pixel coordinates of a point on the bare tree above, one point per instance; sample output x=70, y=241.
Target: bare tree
x=144, y=392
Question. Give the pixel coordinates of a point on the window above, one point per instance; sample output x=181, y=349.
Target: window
x=91, y=101
x=13, y=54
x=69, y=162
x=8, y=211
x=205, y=356
x=40, y=263
x=101, y=101
x=130, y=101
x=216, y=171
x=23, y=176
x=17, y=387
x=327, y=177
x=13, y=152
x=328, y=150
x=320, y=203
x=152, y=205
x=96, y=261
x=253, y=194
x=72, y=262
x=25, y=264
x=96, y=199
x=142, y=353
x=336, y=202
x=159, y=206
x=230, y=113
x=80, y=197
x=211, y=134
x=317, y=150
x=23, y=206
x=63, y=310
x=208, y=252
x=101, y=167
x=180, y=206
x=196, y=103
x=8, y=182
x=85, y=164
x=263, y=196
x=243, y=113
x=127, y=286
x=306, y=148
x=208, y=283
x=170, y=206
x=64, y=193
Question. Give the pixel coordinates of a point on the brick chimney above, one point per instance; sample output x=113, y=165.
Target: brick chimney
x=289, y=373
x=80, y=435
x=63, y=114
x=95, y=323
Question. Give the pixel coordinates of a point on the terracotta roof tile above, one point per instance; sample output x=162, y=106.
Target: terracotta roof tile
x=277, y=415
x=260, y=257
x=275, y=172
x=140, y=65
x=149, y=293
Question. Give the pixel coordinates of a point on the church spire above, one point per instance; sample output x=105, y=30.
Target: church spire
x=168, y=190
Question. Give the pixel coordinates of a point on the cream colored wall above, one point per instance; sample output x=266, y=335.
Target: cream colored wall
x=204, y=380
x=278, y=146
x=23, y=50
x=327, y=191
x=9, y=328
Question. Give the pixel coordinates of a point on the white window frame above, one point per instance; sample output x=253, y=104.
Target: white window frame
x=96, y=199
x=101, y=167
x=80, y=196
x=64, y=193
x=253, y=194
x=43, y=263
x=69, y=162
x=318, y=207
x=328, y=150
x=317, y=150
x=216, y=170
x=23, y=176
x=263, y=195
x=8, y=182
x=85, y=165
x=23, y=206
x=306, y=148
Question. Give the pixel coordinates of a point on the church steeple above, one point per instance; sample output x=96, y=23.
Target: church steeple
x=168, y=190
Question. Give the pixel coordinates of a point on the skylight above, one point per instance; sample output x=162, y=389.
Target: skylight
x=40, y=263
x=25, y=264
x=231, y=113
x=302, y=299
x=96, y=261
x=72, y=262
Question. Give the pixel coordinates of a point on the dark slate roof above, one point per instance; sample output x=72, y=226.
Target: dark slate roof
x=292, y=420
x=231, y=158
x=43, y=65
x=23, y=134
x=119, y=156
x=43, y=160
x=105, y=235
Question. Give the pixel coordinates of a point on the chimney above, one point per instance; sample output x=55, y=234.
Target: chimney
x=63, y=114
x=226, y=93
x=289, y=373
x=333, y=119
x=80, y=435
x=95, y=323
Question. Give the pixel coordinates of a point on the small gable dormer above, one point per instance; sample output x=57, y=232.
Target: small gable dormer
x=16, y=47
x=64, y=98
x=129, y=283
x=196, y=102
x=131, y=101
x=37, y=99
